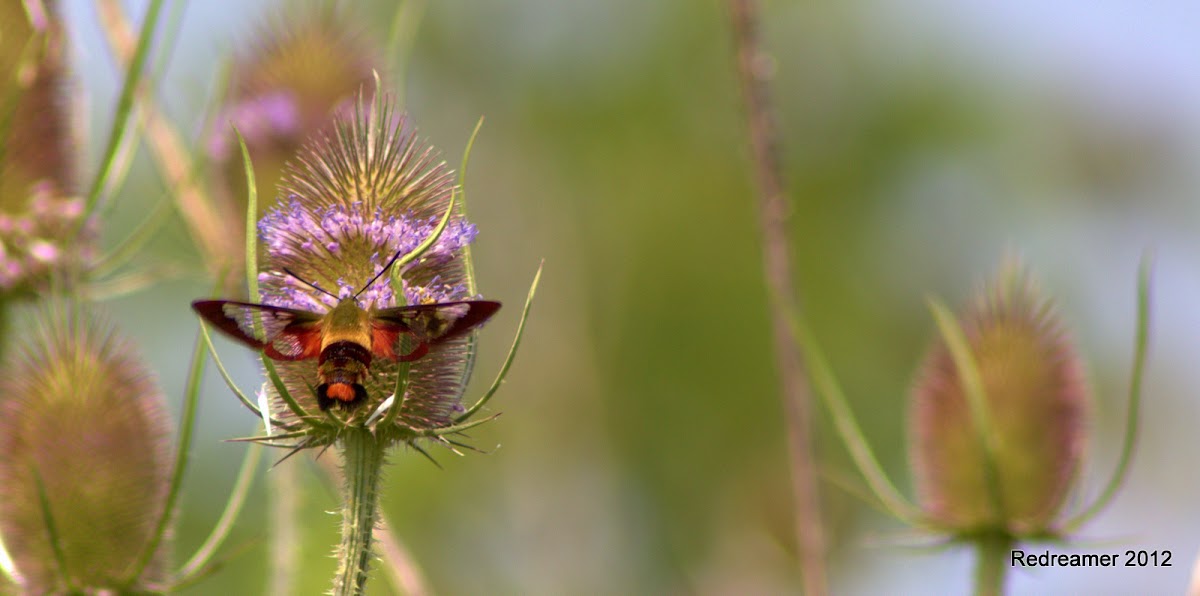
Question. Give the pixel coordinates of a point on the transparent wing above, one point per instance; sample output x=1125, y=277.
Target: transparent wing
x=427, y=324
x=283, y=333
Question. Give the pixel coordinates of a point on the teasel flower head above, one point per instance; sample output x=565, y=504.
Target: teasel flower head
x=349, y=203
x=305, y=67
x=1011, y=476
x=40, y=217
x=84, y=461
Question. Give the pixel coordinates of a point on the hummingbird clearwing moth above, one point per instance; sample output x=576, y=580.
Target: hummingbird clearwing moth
x=346, y=338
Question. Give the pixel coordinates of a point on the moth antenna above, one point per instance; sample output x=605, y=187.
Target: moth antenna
x=312, y=285
x=380, y=274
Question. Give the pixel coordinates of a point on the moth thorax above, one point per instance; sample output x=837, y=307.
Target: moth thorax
x=346, y=322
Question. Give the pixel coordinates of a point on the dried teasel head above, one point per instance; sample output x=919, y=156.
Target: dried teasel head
x=1037, y=405
x=84, y=459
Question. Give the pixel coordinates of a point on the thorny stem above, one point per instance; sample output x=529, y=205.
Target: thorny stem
x=398, y=563
x=362, y=464
x=753, y=73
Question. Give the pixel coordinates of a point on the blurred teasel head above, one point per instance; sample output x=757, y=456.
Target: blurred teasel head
x=305, y=67
x=39, y=214
x=349, y=204
x=84, y=460
x=1013, y=475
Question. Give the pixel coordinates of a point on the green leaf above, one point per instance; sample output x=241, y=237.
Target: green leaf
x=832, y=396
x=124, y=110
x=233, y=507
x=183, y=450
x=976, y=396
x=1141, y=344
x=60, y=558
x=512, y=351
x=416, y=253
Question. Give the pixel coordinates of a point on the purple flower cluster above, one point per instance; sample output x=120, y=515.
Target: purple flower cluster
x=31, y=243
x=258, y=119
x=297, y=233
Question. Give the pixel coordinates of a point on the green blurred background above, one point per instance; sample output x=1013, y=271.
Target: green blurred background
x=641, y=450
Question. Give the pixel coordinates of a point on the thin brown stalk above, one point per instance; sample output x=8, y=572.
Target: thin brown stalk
x=754, y=72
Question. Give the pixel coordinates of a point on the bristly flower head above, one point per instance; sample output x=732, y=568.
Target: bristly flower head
x=39, y=216
x=84, y=460
x=1036, y=401
x=348, y=204
x=305, y=67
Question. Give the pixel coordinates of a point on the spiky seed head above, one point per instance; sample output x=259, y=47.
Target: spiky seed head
x=1037, y=401
x=305, y=67
x=349, y=203
x=83, y=425
x=39, y=214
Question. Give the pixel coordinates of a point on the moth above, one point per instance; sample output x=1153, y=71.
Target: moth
x=347, y=338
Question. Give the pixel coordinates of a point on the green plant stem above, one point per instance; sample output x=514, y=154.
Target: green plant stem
x=123, y=111
x=183, y=448
x=971, y=382
x=830, y=392
x=60, y=558
x=991, y=565
x=362, y=464
x=233, y=507
x=1140, y=346
x=398, y=563
x=468, y=263
x=512, y=351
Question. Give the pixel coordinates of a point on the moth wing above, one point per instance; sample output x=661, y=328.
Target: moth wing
x=428, y=324
x=282, y=333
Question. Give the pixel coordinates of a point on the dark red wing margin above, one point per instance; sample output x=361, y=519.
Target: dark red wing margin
x=429, y=324
x=285, y=334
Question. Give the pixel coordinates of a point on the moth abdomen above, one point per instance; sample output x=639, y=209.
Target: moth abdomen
x=346, y=350
x=343, y=366
x=346, y=395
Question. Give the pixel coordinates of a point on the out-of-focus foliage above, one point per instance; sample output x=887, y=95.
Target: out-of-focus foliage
x=641, y=448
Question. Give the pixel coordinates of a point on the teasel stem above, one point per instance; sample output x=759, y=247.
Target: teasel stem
x=183, y=449
x=398, y=563
x=123, y=111
x=991, y=565
x=204, y=217
x=362, y=466
x=753, y=75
